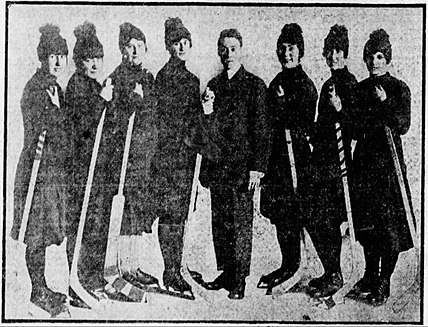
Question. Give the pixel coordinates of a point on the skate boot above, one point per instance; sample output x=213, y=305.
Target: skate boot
x=364, y=286
x=171, y=244
x=174, y=281
x=326, y=285
x=52, y=302
x=380, y=295
x=145, y=278
x=275, y=278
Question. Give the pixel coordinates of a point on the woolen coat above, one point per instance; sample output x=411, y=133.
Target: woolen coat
x=125, y=102
x=378, y=203
x=236, y=133
x=178, y=112
x=296, y=112
x=47, y=219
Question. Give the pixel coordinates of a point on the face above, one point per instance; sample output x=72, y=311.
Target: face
x=288, y=55
x=376, y=64
x=230, y=53
x=335, y=59
x=135, y=51
x=93, y=67
x=181, y=49
x=57, y=64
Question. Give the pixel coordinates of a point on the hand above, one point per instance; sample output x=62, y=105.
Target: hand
x=208, y=101
x=139, y=90
x=280, y=92
x=255, y=177
x=53, y=94
x=334, y=98
x=380, y=93
x=107, y=91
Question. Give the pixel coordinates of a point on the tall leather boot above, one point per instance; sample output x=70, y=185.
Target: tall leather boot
x=41, y=294
x=171, y=244
x=370, y=280
x=289, y=243
x=382, y=291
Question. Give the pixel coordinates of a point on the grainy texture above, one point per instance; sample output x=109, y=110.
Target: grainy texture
x=260, y=27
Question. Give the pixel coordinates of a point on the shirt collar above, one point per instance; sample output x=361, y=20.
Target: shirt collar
x=232, y=72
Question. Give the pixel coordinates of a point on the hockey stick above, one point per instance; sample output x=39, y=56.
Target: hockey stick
x=339, y=296
x=74, y=279
x=19, y=246
x=30, y=193
x=300, y=273
x=401, y=301
x=112, y=273
x=191, y=274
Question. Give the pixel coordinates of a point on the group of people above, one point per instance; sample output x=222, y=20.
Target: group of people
x=249, y=136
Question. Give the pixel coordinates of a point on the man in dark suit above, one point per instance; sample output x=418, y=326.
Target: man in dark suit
x=236, y=123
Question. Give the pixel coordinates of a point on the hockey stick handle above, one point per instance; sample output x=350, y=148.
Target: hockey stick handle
x=402, y=186
x=343, y=172
x=291, y=158
x=31, y=186
x=126, y=153
x=86, y=196
x=195, y=184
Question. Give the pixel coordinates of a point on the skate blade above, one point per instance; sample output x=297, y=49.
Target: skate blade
x=157, y=289
x=40, y=311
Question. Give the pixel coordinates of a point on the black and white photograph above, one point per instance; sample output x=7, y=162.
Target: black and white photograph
x=204, y=163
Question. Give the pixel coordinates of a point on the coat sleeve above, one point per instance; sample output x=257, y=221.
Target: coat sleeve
x=38, y=111
x=395, y=110
x=259, y=129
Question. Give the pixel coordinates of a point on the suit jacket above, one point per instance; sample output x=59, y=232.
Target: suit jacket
x=237, y=129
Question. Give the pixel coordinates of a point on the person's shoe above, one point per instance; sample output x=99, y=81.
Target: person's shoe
x=381, y=294
x=173, y=279
x=238, y=292
x=319, y=281
x=76, y=301
x=49, y=301
x=275, y=278
x=364, y=286
x=145, y=278
x=329, y=285
x=222, y=281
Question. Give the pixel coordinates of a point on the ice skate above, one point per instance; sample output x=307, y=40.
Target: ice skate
x=52, y=302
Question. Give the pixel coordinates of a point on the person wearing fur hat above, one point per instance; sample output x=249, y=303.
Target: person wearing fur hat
x=43, y=110
x=327, y=197
x=236, y=117
x=86, y=99
x=133, y=93
x=379, y=214
x=177, y=114
x=292, y=98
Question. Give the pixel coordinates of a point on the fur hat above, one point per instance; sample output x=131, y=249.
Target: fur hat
x=337, y=39
x=175, y=31
x=51, y=42
x=378, y=42
x=292, y=33
x=87, y=43
x=127, y=31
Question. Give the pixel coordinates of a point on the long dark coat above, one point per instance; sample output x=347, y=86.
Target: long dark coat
x=378, y=204
x=325, y=157
x=178, y=112
x=47, y=220
x=84, y=110
x=294, y=111
x=124, y=103
x=237, y=131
